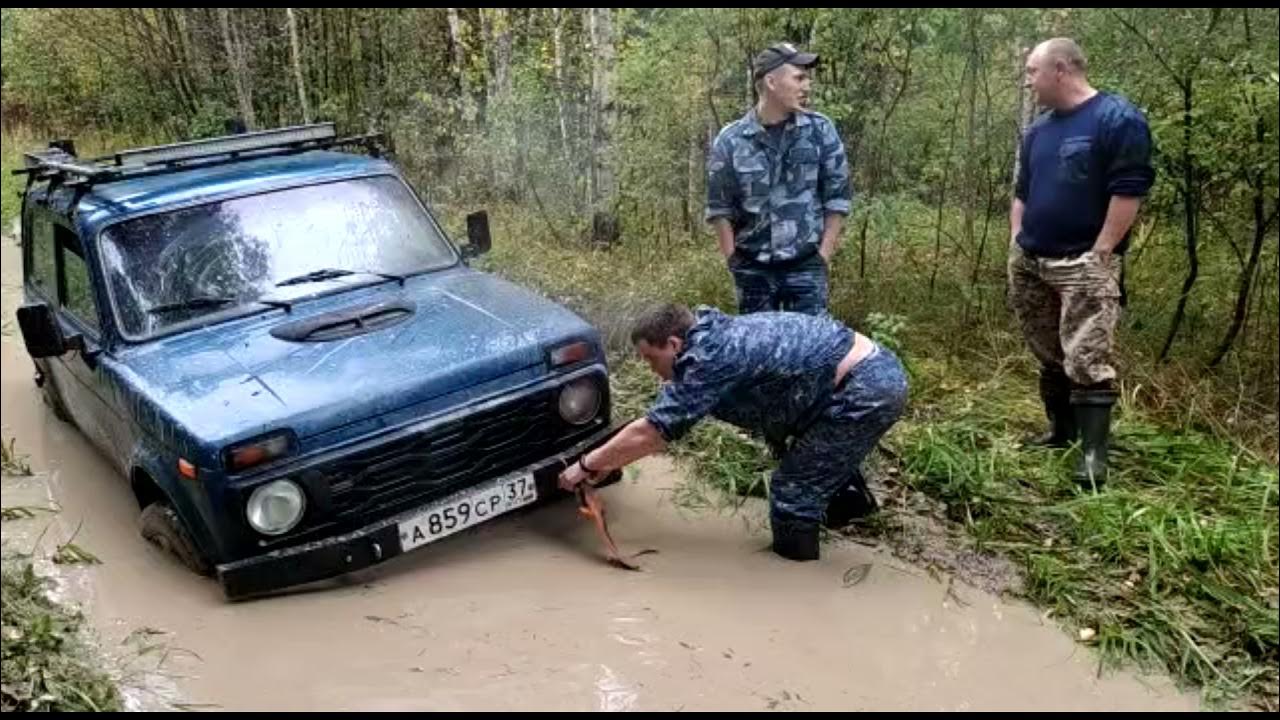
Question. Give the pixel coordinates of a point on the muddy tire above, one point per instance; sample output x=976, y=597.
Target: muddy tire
x=161, y=526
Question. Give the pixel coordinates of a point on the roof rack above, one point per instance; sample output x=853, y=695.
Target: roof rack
x=60, y=162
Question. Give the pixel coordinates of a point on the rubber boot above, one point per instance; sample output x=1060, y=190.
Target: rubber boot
x=1092, y=409
x=851, y=502
x=1055, y=393
x=795, y=539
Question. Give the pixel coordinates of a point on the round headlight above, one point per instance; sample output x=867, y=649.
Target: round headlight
x=580, y=401
x=275, y=508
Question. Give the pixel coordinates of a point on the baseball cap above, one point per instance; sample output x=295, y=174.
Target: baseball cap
x=779, y=54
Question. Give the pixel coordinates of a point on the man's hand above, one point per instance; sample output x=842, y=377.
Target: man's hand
x=724, y=237
x=1121, y=212
x=638, y=439
x=831, y=226
x=573, y=476
x=1015, y=220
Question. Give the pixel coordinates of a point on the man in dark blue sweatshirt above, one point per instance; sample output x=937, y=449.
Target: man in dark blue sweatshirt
x=1085, y=166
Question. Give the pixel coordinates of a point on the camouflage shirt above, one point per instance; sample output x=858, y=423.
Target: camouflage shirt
x=769, y=372
x=777, y=194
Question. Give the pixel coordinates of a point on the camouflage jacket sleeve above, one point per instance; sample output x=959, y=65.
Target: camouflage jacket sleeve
x=702, y=380
x=722, y=184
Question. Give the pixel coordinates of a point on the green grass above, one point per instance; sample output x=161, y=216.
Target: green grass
x=11, y=148
x=46, y=665
x=12, y=462
x=1174, y=563
x=23, y=512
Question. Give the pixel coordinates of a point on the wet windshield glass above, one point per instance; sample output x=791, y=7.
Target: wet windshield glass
x=227, y=258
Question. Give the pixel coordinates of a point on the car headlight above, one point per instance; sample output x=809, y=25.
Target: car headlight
x=276, y=508
x=580, y=401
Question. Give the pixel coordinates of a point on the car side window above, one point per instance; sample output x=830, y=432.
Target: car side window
x=43, y=274
x=77, y=291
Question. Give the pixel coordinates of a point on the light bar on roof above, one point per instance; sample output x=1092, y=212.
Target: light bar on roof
x=227, y=144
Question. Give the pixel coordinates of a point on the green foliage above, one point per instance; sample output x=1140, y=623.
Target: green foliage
x=46, y=665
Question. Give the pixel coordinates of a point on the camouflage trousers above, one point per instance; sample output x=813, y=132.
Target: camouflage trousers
x=798, y=287
x=1068, y=309
x=827, y=454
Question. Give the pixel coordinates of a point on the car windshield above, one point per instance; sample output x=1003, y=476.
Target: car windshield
x=238, y=255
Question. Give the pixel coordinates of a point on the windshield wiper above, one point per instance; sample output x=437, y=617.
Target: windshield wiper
x=199, y=302
x=204, y=302
x=330, y=273
x=315, y=276
x=284, y=305
x=387, y=276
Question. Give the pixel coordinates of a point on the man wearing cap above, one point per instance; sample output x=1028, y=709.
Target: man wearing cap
x=819, y=393
x=778, y=190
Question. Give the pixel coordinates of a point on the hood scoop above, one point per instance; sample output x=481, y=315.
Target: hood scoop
x=346, y=323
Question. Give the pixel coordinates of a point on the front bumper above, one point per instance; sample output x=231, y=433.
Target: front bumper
x=371, y=544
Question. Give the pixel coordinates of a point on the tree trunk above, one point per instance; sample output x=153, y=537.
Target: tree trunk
x=349, y=65
x=295, y=52
x=180, y=63
x=375, y=81
x=1261, y=223
x=971, y=143
x=942, y=191
x=988, y=201
x=693, y=171
x=459, y=61
x=1025, y=108
x=326, y=73
x=1189, y=200
x=557, y=15
x=600, y=179
x=239, y=74
x=500, y=28
x=193, y=51
x=1261, y=226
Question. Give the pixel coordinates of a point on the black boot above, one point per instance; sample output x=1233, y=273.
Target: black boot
x=1055, y=393
x=851, y=502
x=795, y=539
x=1093, y=416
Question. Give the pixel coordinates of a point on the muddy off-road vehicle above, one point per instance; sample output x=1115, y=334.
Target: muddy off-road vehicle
x=272, y=338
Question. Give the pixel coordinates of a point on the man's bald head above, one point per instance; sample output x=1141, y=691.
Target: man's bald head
x=1062, y=53
x=1056, y=73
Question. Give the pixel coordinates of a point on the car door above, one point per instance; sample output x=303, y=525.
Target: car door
x=79, y=375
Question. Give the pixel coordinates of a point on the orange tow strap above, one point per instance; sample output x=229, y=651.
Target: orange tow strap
x=591, y=506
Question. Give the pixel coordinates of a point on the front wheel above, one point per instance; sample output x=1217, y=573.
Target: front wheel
x=161, y=526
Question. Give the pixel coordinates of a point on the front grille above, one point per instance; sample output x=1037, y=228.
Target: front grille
x=400, y=474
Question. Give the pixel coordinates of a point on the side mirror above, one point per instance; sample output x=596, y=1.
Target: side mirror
x=478, y=234
x=42, y=333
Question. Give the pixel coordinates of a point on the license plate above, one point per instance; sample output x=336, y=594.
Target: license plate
x=466, y=508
